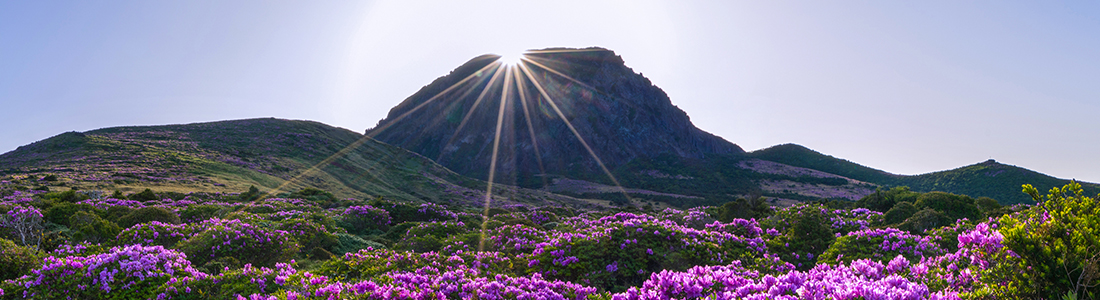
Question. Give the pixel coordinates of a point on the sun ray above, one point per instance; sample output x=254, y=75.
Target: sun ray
x=561, y=115
x=466, y=118
x=370, y=135
x=493, y=160
x=531, y=60
x=530, y=127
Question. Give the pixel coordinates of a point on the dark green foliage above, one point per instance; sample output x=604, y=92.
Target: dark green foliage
x=50, y=177
x=497, y=211
x=145, y=195
x=91, y=228
x=425, y=237
x=925, y=219
x=148, y=214
x=117, y=195
x=15, y=260
x=252, y=194
x=955, y=206
x=399, y=230
x=347, y=243
x=758, y=208
x=115, y=212
x=322, y=198
x=199, y=213
x=807, y=237
x=901, y=211
x=308, y=234
x=319, y=253
x=989, y=207
x=61, y=212
x=884, y=200
x=66, y=196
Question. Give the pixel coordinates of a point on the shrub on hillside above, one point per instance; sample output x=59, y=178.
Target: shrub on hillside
x=130, y=272
x=145, y=195
x=901, y=211
x=202, y=212
x=60, y=213
x=247, y=243
x=1055, y=246
x=154, y=233
x=309, y=235
x=149, y=214
x=16, y=260
x=364, y=219
x=91, y=228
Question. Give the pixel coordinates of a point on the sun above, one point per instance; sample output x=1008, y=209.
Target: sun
x=511, y=58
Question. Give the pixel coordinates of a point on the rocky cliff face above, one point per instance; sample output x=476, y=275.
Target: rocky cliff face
x=620, y=114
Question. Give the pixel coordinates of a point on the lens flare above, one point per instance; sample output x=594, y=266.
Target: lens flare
x=511, y=58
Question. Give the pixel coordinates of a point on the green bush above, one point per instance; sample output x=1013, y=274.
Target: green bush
x=91, y=228
x=1056, y=245
x=60, y=213
x=426, y=237
x=926, y=219
x=115, y=212
x=901, y=211
x=309, y=235
x=251, y=244
x=148, y=214
x=145, y=195
x=203, y=212
x=347, y=243
x=954, y=206
x=808, y=235
x=16, y=260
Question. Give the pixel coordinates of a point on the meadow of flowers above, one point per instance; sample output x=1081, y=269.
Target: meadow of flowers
x=225, y=247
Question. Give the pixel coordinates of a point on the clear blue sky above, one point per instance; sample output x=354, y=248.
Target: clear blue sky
x=901, y=86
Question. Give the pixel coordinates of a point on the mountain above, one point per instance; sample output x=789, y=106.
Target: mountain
x=229, y=156
x=986, y=179
x=589, y=93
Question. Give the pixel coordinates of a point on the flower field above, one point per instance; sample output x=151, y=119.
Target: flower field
x=225, y=246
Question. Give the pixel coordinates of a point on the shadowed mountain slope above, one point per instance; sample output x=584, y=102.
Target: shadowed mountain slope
x=619, y=113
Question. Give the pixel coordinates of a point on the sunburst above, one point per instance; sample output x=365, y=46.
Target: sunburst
x=515, y=71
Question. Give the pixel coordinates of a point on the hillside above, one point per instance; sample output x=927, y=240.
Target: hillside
x=985, y=179
x=230, y=156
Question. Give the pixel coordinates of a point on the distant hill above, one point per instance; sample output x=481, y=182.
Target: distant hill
x=620, y=114
x=229, y=156
x=985, y=179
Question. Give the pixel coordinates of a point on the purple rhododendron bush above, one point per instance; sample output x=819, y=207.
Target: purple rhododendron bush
x=228, y=246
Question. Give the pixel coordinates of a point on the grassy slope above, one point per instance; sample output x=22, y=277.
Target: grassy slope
x=987, y=179
x=229, y=156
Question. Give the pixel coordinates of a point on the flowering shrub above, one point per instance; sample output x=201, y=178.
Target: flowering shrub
x=879, y=244
x=247, y=243
x=155, y=233
x=130, y=272
x=149, y=214
x=365, y=218
x=862, y=279
x=430, y=236
x=621, y=250
x=25, y=224
x=371, y=263
x=308, y=234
